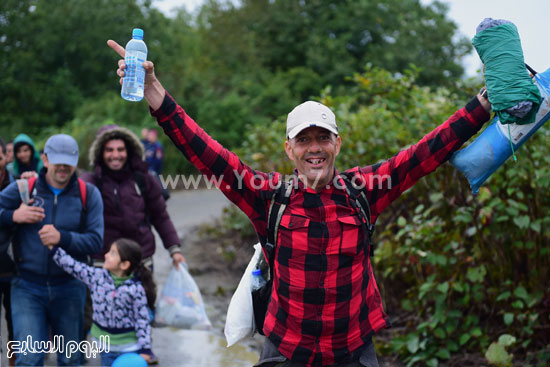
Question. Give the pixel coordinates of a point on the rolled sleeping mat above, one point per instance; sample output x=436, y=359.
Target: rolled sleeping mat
x=494, y=146
x=511, y=92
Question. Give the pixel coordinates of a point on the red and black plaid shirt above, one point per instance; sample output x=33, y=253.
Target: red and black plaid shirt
x=325, y=304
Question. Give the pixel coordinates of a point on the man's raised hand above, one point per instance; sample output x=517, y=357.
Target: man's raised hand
x=154, y=92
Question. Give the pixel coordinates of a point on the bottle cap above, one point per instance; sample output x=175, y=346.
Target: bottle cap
x=137, y=33
x=256, y=272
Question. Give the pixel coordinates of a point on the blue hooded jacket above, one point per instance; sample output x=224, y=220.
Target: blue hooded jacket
x=33, y=259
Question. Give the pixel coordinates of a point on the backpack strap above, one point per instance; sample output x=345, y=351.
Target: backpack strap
x=141, y=188
x=83, y=189
x=361, y=205
x=97, y=182
x=279, y=202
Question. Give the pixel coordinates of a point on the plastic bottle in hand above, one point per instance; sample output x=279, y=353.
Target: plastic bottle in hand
x=133, y=83
x=258, y=280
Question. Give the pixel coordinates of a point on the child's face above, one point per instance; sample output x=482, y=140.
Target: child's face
x=112, y=260
x=24, y=154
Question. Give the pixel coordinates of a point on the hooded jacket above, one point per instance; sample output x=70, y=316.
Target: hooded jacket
x=124, y=206
x=33, y=259
x=16, y=168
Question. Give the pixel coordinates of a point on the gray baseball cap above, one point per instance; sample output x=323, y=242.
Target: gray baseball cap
x=310, y=114
x=62, y=149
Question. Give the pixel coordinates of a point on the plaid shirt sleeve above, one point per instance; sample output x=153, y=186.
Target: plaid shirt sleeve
x=239, y=183
x=387, y=180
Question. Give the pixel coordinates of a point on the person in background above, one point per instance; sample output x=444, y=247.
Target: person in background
x=154, y=152
x=9, y=152
x=7, y=266
x=44, y=298
x=154, y=156
x=5, y=177
x=144, y=133
x=132, y=197
x=27, y=161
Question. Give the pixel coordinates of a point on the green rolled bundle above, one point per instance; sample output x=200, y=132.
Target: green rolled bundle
x=509, y=86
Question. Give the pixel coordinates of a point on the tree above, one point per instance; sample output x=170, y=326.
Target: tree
x=54, y=56
x=337, y=38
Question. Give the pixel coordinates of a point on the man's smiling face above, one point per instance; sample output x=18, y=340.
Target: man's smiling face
x=115, y=154
x=314, y=152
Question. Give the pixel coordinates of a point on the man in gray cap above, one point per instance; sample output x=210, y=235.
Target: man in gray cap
x=324, y=305
x=55, y=208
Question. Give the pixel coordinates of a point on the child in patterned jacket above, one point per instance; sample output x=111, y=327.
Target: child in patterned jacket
x=121, y=292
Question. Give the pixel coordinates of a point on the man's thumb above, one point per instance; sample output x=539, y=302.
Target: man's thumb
x=149, y=67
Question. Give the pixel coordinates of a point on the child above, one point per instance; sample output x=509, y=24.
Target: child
x=26, y=159
x=121, y=292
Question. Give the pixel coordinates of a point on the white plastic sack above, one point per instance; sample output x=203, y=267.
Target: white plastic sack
x=239, y=322
x=180, y=303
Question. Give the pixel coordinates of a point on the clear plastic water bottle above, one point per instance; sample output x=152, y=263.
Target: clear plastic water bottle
x=258, y=280
x=134, y=74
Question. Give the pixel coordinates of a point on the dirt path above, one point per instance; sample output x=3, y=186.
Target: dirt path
x=217, y=281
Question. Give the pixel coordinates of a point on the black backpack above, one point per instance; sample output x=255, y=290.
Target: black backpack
x=281, y=197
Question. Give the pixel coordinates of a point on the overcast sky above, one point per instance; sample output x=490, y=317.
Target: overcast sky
x=531, y=17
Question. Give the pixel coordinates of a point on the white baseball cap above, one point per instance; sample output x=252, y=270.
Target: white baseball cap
x=310, y=114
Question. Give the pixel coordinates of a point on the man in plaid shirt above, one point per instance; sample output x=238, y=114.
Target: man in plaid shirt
x=325, y=305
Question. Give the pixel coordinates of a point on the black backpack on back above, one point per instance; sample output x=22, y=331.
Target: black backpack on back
x=281, y=197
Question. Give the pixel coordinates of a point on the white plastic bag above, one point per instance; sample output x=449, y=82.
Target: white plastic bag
x=180, y=303
x=239, y=322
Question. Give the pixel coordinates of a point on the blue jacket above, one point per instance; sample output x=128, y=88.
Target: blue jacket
x=33, y=259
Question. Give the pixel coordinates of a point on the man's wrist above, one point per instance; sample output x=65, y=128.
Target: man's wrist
x=175, y=249
x=64, y=238
x=154, y=94
x=8, y=216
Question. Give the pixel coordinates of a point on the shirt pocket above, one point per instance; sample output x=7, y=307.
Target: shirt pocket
x=351, y=235
x=292, y=222
x=293, y=232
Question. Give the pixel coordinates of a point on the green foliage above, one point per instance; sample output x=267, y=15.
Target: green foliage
x=496, y=353
x=231, y=66
x=54, y=55
x=335, y=39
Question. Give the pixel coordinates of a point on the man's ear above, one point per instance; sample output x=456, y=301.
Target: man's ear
x=338, y=144
x=288, y=150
